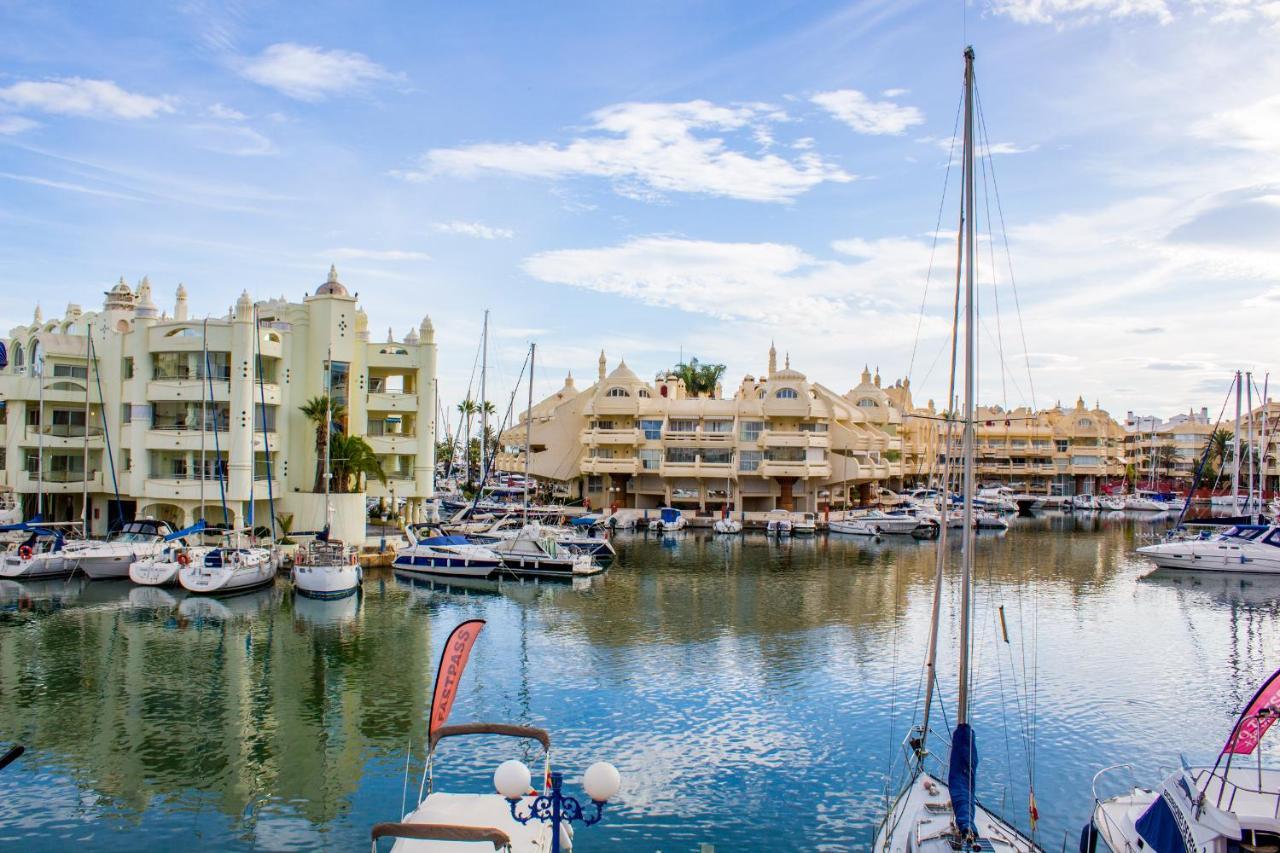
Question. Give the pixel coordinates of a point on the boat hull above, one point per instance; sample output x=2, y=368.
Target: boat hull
x=337, y=581
x=230, y=576
x=1212, y=555
x=14, y=567
x=921, y=821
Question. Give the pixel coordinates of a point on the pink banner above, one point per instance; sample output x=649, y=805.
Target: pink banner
x=453, y=660
x=1257, y=717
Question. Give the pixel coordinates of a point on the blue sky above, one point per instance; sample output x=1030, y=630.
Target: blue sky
x=664, y=178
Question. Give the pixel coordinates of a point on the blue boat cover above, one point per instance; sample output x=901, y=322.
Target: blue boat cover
x=962, y=778
x=585, y=520
x=669, y=514
x=1158, y=826
x=446, y=540
x=186, y=531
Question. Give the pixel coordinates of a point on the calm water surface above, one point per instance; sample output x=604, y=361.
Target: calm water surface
x=755, y=695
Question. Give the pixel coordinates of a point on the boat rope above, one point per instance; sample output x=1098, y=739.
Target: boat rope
x=937, y=232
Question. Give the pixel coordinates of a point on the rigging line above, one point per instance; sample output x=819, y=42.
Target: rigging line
x=1004, y=233
x=937, y=232
x=995, y=288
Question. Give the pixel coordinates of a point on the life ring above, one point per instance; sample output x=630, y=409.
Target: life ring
x=25, y=552
x=184, y=559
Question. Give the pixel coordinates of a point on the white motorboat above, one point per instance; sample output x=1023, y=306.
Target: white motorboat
x=41, y=555
x=894, y=523
x=230, y=568
x=1145, y=502
x=669, y=519
x=858, y=525
x=432, y=552
x=10, y=507
x=989, y=521
x=537, y=553
x=326, y=568
x=727, y=525
x=136, y=540
x=1085, y=502
x=1215, y=809
x=1111, y=503
x=777, y=522
x=804, y=524
x=162, y=569
x=1252, y=548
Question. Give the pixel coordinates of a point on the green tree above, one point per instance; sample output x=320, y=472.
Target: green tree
x=324, y=415
x=467, y=408
x=354, y=463
x=1166, y=457
x=1220, y=447
x=699, y=378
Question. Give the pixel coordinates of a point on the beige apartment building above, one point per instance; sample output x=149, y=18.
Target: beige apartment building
x=1167, y=449
x=1057, y=451
x=779, y=441
x=130, y=424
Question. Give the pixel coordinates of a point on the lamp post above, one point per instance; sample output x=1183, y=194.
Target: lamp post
x=601, y=782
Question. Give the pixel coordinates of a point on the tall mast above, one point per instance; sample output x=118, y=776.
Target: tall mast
x=966, y=563
x=1248, y=501
x=37, y=370
x=528, y=433
x=204, y=408
x=1235, y=450
x=484, y=415
x=328, y=432
x=84, y=495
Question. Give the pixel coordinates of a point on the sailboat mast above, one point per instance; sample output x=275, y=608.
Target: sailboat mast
x=1248, y=389
x=966, y=564
x=528, y=433
x=37, y=370
x=204, y=409
x=84, y=494
x=484, y=415
x=328, y=428
x=1235, y=452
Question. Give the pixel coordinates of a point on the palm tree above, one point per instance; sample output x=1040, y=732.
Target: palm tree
x=324, y=414
x=467, y=408
x=699, y=378
x=354, y=462
x=1166, y=458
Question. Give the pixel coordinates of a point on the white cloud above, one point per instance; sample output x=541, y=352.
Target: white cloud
x=222, y=111
x=312, y=73
x=993, y=149
x=232, y=139
x=348, y=253
x=10, y=125
x=79, y=97
x=867, y=116
x=473, y=229
x=1081, y=11
x=1254, y=127
x=68, y=186
x=653, y=148
x=894, y=93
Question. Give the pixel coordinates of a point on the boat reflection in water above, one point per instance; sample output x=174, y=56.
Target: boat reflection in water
x=327, y=612
x=242, y=607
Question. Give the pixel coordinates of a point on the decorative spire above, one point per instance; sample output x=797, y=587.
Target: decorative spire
x=602, y=364
x=391, y=338
x=38, y=317
x=333, y=275
x=773, y=359
x=866, y=375
x=877, y=379
x=787, y=362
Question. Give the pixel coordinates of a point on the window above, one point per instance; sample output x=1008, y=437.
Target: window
x=643, y=392
x=815, y=427
x=183, y=332
x=595, y=484
x=17, y=354
x=682, y=455
x=749, y=460
x=751, y=430
x=602, y=424
x=717, y=457
x=33, y=416
x=618, y=392
x=1061, y=445
x=682, y=425
x=338, y=372
x=31, y=461
x=127, y=367
x=652, y=430
x=126, y=460
x=785, y=454
x=1084, y=460
x=4, y=458
x=867, y=403
x=651, y=460
x=725, y=426
x=73, y=371
x=787, y=394
x=1084, y=422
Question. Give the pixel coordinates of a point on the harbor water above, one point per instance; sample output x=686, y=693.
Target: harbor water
x=754, y=694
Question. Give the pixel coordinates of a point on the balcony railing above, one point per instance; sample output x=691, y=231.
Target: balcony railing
x=183, y=426
x=67, y=430
x=63, y=476
x=191, y=376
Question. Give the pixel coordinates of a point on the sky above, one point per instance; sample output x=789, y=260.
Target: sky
x=667, y=180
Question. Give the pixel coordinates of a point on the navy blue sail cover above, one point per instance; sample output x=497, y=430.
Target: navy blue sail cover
x=962, y=778
x=1159, y=828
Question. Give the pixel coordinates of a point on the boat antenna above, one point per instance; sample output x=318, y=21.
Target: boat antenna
x=1235, y=452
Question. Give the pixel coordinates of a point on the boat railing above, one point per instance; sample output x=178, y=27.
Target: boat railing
x=504, y=729
x=1112, y=770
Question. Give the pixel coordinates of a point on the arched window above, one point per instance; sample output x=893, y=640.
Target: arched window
x=787, y=394
x=643, y=392
x=18, y=360
x=618, y=392
x=763, y=393
x=867, y=403
x=1084, y=422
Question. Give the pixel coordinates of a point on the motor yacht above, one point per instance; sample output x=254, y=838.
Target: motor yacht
x=433, y=552
x=139, y=539
x=1251, y=548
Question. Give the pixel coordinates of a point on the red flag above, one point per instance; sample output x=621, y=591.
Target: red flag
x=453, y=660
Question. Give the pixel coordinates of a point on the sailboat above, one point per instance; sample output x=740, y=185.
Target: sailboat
x=325, y=567
x=931, y=814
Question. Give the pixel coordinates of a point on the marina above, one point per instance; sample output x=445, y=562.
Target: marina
x=724, y=676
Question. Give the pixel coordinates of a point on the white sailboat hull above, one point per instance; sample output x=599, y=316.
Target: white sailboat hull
x=44, y=565
x=332, y=581
x=162, y=570
x=255, y=568
x=921, y=821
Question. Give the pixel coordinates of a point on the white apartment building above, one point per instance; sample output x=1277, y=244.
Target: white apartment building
x=130, y=423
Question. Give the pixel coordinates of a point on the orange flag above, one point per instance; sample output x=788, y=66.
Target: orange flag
x=453, y=660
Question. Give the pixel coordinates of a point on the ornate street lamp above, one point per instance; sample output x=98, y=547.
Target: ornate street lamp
x=601, y=782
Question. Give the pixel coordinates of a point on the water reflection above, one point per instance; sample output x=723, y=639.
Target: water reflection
x=728, y=677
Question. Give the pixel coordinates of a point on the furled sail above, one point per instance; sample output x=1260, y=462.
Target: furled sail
x=962, y=778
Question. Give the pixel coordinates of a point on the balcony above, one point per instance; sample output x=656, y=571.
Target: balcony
x=597, y=437
x=697, y=468
x=384, y=401
x=67, y=436
x=610, y=466
x=798, y=438
x=772, y=468
x=60, y=482
x=393, y=443
x=184, y=386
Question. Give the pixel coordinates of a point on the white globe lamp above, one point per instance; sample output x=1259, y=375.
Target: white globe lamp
x=511, y=779
x=601, y=781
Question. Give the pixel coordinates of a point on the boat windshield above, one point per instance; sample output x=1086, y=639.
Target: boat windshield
x=1243, y=531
